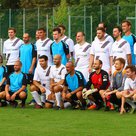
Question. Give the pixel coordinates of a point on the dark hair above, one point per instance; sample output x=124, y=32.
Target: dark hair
x=62, y=26
x=41, y=29
x=80, y=32
x=119, y=28
x=121, y=60
x=12, y=28
x=131, y=67
x=57, y=29
x=100, y=62
x=101, y=28
x=43, y=57
x=1, y=58
x=104, y=25
x=126, y=21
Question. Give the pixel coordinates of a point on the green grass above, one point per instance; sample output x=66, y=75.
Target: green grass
x=43, y=122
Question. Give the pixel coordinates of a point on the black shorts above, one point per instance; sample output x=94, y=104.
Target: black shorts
x=17, y=96
x=29, y=78
x=2, y=88
x=73, y=96
x=10, y=69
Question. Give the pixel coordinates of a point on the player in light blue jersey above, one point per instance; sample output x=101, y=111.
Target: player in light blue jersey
x=58, y=47
x=129, y=37
x=28, y=57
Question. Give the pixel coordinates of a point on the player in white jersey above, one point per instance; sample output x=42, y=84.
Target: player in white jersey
x=100, y=49
x=129, y=92
x=43, y=45
x=120, y=48
x=82, y=55
x=58, y=72
x=11, y=49
x=41, y=84
x=67, y=40
x=107, y=36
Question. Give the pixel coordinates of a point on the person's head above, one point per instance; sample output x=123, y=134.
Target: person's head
x=126, y=26
x=17, y=66
x=63, y=29
x=42, y=33
x=26, y=38
x=56, y=33
x=1, y=59
x=100, y=31
x=102, y=24
x=57, y=60
x=130, y=71
x=11, y=32
x=97, y=64
x=70, y=67
x=119, y=64
x=117, y=32
x=80, y=37
x=43, y=61
x=37, y=35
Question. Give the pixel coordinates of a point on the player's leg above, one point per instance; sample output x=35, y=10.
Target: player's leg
x=2, y=97
x=23, y=96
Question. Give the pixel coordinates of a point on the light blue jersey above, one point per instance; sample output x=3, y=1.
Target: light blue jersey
x=3, y=72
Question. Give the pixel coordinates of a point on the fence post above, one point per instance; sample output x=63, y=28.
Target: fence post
x=85, y=19
x=23, y=20
x=9, y=17
x=101, y=10
x=53, y=17
x=91, y=31
x=118, y=15
x=38, y=17
x=47, y=27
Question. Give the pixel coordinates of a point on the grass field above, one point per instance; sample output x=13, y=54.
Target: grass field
x=43, y=122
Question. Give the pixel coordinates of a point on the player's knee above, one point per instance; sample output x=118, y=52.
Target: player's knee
x=22, y=95
x=79, y=95
x=57, y=89
x=33, y=88
x=2, y=95
x=48, y=105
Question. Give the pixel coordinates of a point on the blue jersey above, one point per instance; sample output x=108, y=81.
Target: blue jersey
x=75, y=81
x=61, y=49
x=27, y=52
x=131, y=41
x=3, y=72
x=16, y=80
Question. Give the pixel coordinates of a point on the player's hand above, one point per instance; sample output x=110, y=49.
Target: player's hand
x=13, y=97
x=30, y=71
x=90, y=69
x=42, y=89
x=7, y=97
x=69, y=95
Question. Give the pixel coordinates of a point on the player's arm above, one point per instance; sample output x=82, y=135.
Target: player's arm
x=89, y=83
x=3, y=80
x=7, y=89
x=77, y=90
x=129, y=59
x=38, y=85
x=91, y=62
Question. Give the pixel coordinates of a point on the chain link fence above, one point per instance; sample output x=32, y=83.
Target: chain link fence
x=76, y=19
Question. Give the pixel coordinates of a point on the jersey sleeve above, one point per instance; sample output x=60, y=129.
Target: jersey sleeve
x=24, y=81
x=121, y=88
x=89, y=83
x=92, y=51
x=34, y=52
x=127, y=48
x=126, y=85
x=66, y=48
x=81, y=81
x=36, y=76
x=63, y=73
x=71, y=45
x=51, y=72
x=65, y=81
x=4, y=49
x=8, y=81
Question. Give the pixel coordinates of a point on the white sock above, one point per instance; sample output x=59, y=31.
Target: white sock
x=67, y=104
x=36, y=97
x=43, y=97
x=58, y=98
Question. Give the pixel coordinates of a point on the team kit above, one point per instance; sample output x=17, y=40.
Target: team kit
x=60, y=74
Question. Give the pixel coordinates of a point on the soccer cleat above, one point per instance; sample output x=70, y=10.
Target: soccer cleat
x=107, y=108
x=132, y=111
x=38, y=106
x=32, y=102
x=92, y=107
x=112, y=107
x=57, y=108
x=15, y=103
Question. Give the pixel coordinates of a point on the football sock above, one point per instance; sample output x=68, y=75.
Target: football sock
x=58, y=98
x=36, y=97
x=43, y=97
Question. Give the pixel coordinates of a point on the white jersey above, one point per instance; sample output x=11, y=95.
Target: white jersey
x=11, y=49
x=101, y=50
x=82, y=55
x=58, y=73
x=69, y=42
x=135, y=48
x=43, y=76
x=130, y=84
x=121, y=49
x=43, y=48
x=107, y=37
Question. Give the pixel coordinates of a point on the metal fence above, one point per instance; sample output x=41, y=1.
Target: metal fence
x=75, y=19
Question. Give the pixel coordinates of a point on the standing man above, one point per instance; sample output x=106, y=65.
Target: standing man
x=28, y=54
x=43, y=45
x=67, y=40
x=11, y=49
x=59, y=47
x=129, y=37
x=16, y=86
x=100, y=49
x=82, y=55
x=73, y=86
x=58, y=72
x=120, y=48
x=107, y=36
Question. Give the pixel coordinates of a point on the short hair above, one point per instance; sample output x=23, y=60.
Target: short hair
x=126, y=21
x=43, y=57
x=1, y=58
x=57, y=29
x=62, y=26
x=121, y=60
x=119, y=28
x=100, y=62
x=104, y=25
x=131, y=67
x=41, y=29
x=12, y=28
x=100, y=28
x=80, y=32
